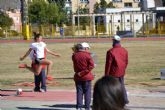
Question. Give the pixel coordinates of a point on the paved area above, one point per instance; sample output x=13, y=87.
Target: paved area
x=140, y=99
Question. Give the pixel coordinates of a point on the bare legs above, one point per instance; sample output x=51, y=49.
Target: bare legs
x=44, y=62
x=37, y=69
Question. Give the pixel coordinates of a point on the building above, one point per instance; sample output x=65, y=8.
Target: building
x=16, y=16
x=74, y=4
x=126, y=3
x=136, y=20
x=13, y=10
x=9, y=4
x=127, y=19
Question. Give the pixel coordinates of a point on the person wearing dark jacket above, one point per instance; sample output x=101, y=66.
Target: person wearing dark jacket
x=116, y=63
x=83, y=65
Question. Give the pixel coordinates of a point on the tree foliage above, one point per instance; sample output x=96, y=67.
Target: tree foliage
x=103, y=4
x=96, y=7
x=5, y=20
x=84, y=19
x=100, y=7
x=45, y=13
x=60, y=3
x=38, y=12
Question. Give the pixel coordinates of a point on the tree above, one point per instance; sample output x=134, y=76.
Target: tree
x=53, y=15
x=5, y=21
x=100, y=7
x=110, y=5
x=61, y=11
x=96, y=7
x=103, y=4
x=41, y=12
x=38, y=12
x=60, y=3
x=84, y=19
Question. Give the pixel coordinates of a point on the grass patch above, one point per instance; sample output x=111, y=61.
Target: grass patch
x=146, y=58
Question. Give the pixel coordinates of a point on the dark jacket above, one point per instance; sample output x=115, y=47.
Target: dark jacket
x=116, y=61
x=83, y=63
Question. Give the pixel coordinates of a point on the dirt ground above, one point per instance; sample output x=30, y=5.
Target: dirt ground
x=140, y=99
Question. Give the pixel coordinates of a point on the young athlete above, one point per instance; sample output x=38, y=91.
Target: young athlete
x=38, y=47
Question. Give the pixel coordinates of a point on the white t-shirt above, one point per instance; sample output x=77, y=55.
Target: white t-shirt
x=38, y=48
x=32, y=55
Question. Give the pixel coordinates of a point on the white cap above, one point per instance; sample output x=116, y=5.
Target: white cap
x=85, y=45
x=116, y=37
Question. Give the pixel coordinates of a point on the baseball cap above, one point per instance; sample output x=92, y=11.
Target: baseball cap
x=85, y=45
x=116, y=37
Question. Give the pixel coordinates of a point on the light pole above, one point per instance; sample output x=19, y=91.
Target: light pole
x=78, y=19
x=25, y=19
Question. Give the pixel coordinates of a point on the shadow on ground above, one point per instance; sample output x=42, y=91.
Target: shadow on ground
x=64, y=106
x=53, y=107
x=32, y=108
x=155, y=79
x=147, y=108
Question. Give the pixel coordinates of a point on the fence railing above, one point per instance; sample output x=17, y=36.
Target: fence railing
x=99, y=30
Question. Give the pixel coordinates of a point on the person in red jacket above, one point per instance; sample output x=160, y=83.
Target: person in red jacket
x=83, y=65
x=116, y=63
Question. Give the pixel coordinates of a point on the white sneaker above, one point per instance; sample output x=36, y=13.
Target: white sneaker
x=42, y=90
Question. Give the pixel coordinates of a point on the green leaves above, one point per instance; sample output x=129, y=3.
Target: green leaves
x=41, y=12
x=5, y=20
x=99, y=7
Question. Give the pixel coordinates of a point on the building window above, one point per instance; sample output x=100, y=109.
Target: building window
x=128, y=4
x=117, y=0
x=128, y=20
x=136, y=0
x=84, y=1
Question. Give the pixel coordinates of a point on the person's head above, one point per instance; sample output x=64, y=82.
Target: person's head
x=85, y=46
x=77, y=47
x=37, y=37
x=116, y=39
x=108, y=94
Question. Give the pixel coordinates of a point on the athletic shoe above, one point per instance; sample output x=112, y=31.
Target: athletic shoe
x=50, y=78
x=36, y=90
x=22, y=65
x=42, y=90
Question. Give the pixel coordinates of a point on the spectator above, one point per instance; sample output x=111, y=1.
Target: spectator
x=40, y=80
x=61, y=31
x=116, y=63
x=83, y=65
x=108, y=94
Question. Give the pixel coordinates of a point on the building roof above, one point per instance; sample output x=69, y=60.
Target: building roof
x=10, y=4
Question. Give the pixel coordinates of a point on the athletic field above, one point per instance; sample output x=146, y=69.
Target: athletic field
x=146, y=58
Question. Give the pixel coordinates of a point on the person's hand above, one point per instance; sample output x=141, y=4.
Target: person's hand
x=79, y=74
x=21, y=58
x=58, y=55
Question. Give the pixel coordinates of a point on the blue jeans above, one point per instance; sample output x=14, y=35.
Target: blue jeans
x=40, y=81
x=83, y=88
